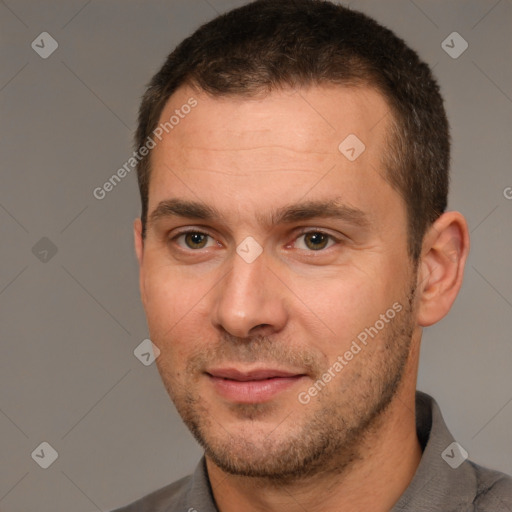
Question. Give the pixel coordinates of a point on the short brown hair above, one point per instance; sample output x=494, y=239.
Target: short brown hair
x=269, y=44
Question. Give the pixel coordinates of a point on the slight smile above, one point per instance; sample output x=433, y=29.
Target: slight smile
x=253, y=386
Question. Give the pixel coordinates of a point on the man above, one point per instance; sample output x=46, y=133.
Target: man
x=293, y=243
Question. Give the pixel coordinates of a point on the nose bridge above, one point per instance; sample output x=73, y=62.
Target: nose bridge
x=249, y=295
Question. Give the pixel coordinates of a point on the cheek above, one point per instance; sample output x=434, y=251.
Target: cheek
x=162, y=299
x=349, y=302
x=165, y=299
x=175, y=309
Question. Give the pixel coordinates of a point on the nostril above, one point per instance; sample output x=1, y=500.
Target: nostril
x=260, y=329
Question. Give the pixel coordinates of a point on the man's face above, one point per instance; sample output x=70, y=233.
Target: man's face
x=248, y=310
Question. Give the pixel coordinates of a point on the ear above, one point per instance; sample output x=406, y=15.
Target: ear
x=444, y=254
x=139, y=251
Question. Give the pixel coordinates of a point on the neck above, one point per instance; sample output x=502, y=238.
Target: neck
x=388, y=458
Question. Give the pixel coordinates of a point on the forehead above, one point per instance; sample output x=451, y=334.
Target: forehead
x=312, y=120
x=231, y=150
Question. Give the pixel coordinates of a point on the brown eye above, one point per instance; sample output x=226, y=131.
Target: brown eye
x=316, y=240
x=195, y=240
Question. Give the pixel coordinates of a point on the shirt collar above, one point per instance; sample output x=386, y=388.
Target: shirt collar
x=435, y=486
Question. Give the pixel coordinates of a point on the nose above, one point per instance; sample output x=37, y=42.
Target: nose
x=250, y=300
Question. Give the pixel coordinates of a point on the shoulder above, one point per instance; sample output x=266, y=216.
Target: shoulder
x=159, y=500
x=494, y=490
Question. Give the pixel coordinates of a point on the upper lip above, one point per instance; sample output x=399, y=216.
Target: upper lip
x=260, y=374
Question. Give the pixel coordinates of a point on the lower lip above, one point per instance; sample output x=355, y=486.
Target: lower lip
x=253, y=391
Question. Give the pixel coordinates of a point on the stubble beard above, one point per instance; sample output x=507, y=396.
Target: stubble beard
x=329, y=437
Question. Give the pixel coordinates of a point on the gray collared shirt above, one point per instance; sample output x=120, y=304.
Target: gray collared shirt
x=444, y=481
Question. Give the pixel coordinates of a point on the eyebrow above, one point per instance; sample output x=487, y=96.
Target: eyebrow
x=331, y=209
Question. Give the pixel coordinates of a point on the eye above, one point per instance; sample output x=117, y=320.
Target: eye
x=316, y=240
x=193, y=239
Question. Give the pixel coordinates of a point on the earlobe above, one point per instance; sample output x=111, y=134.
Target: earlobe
x=444, y=255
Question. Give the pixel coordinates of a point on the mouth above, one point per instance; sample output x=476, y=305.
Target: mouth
x=252, y=386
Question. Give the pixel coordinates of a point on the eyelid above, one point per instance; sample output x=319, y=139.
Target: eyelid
x=323, y=231
x=200, y=231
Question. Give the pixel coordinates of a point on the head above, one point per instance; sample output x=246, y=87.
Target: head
x=300, y=43
x=308, y=160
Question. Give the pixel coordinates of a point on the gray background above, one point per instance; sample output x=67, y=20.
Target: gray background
x=69, y=325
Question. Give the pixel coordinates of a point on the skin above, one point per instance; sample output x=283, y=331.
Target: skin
x=299, y=304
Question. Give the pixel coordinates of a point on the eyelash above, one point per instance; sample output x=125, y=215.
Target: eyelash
x=302, y=233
